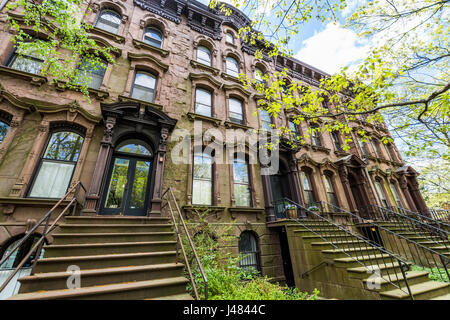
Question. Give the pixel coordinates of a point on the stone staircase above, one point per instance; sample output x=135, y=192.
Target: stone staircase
x=329, y=263
x=422, y=237
x=118, y=258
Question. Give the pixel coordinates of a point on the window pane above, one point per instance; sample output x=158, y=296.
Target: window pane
x=266, y=121
x=259, y=75
x=3, y=130
x=242, y=195
x=240, y=171
x=139, y=191
x=201, y=192
x=203, y=55
x=145, y=80
x=117, y=183
x=235, y=110
x=53, y=180
x=396, y=196
x=203, y=102
x=135, y=147
x=26, y=64
x=305, y=181
x=248, y=248
x=109, y=21
x=144, y=87
x=232, y=67
x=153, y=37
x=65, y=146
x=91, y=75
x=229, y=38
x=381, y=193
x=202, y=166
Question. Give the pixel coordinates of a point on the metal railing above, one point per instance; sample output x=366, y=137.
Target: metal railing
x=430, y=219
x=45, y=221
x=440, y=214
x=422, y=256
x=179, y=224
x=366, y=253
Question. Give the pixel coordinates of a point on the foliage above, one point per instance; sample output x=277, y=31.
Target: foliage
x=435, y=274
x=434, y=181
x=55, y=31
x=226, y=280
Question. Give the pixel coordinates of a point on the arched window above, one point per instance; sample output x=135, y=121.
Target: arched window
x=395, y=194
x=232, y=67
x=266, y=120
x=331, y=192
x=381, y=194
x=57, y=165
x=18, y=255
x=308, y=188
x=26, y=59
x=315, y=136
x=229, y=38
x=153, y=37
x=91, y=74
x=109, y=20
x=236, y=112
x=144, y=86
x=259, y=74
x=294, y=130
x=204, y=55
x=203, y=102
x=337, y=141
x=248, y=249
x=242, y=192
x=391, y=152
x=202, y=181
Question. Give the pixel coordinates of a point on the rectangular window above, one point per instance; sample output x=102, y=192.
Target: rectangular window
x=307, y=188
x=203, y=102
x=242, y=193
x=235, y=113
x=202, y=180
x=315, y=136
x=91, y=74
x=144, y=87
x=266, y=120
x=26, y=59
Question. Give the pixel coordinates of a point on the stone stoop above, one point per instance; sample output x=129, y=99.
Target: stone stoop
x=339, y=275
x=124, y=258
x=422, y=237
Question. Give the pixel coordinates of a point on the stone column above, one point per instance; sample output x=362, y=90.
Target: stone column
x=99, y=171
x=343, y=175
x=404, y=187
x=268, y=198
x=159, y=163
x=415, y=192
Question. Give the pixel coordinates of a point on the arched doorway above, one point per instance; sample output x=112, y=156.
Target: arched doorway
x=129, y=179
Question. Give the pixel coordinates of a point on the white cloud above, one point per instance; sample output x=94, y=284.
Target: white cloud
x=333, y=48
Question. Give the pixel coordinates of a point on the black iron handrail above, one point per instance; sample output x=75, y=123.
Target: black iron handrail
x=47, y=230
x=355, y=242
x=440, y=214
x=409, y=223
x=168, y=194
x=423, y=218
x=419, y=254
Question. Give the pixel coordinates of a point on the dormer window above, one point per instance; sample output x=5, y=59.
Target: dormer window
x=109, y=20
x=232, y=67
x=204, y=55
x=229, y=38
x=153, y=37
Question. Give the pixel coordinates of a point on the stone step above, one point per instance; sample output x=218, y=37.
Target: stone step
x=120, y=291
x=362, y=272
x=344, y=252
x=385, y=282
x=117, y=220
x=422, y=291
x=98, y=277
x=73, y=238
x=306, y=232
x=443, y=297
x=329, y=238
x=322, y=245
x=69, y=250
x=379, y=259
x=113, y=228
x=104, y=261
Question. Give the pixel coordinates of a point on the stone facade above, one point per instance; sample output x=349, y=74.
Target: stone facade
x=32, y=108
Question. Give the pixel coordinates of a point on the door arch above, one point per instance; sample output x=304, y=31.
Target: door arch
x=129, y=179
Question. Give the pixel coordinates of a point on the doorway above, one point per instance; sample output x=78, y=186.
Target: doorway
x=129, y=180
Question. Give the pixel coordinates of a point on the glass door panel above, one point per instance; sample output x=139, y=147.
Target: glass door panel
x=117, y=184
x=139, y=189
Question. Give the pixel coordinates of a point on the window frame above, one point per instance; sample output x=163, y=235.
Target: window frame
x=5, y=118
x=133, y=84
x=211, y=180
x=106, y=10
x=42, y=159
x=248, y=184
x=202, y=61
x=379, y=188
x=255, y=253
x=161, y=41
x=90, y=72
x=329, y=181
x=227, y=69
x=231, y=119
x=311, y=192
x=14, y=55
x=227, y=35
x=316, y=139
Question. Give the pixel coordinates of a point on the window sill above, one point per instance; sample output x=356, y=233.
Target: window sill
x=202, y=209
x=199, y=65
x=341, y=153
x=244, y=210
x=9, y=204
x=320, y=148
x=143, y=102
x=230, y=124
x=107, y=34
x=34, y=79
x=142, y=45
x=195, y=116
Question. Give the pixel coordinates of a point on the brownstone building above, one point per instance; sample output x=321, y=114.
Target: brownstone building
x=177, y=62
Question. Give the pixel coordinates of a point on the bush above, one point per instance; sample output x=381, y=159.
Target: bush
x=226, y=280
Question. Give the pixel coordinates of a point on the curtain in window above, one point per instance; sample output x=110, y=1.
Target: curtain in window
x=144, y=87
x=235, y=111
x=232, y=67
x=241, y=183
x=204, y=55
x=202, y=179
x=203, y=102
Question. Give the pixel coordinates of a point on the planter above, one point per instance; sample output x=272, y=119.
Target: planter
x=291, y=213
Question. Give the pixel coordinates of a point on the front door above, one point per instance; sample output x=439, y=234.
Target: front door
x=128, y=184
